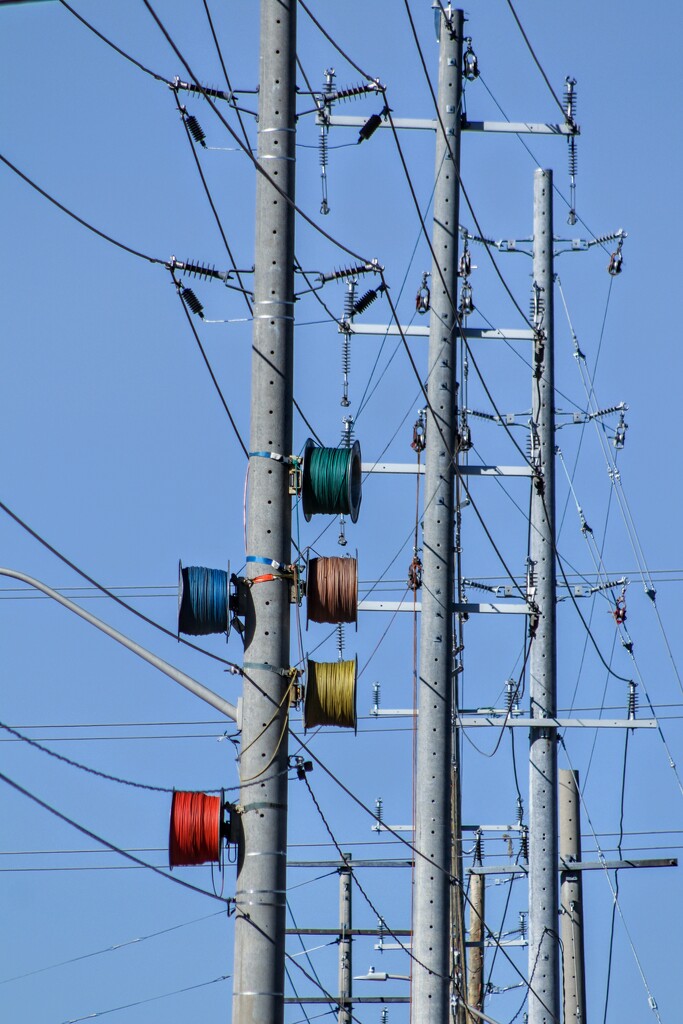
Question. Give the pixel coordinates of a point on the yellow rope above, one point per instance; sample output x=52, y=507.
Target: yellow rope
x=331, y=694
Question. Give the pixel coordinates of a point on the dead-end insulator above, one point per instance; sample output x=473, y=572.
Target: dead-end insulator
x=195, y=129
x=201, y=90
x=192, y=302
x=372, y=267
x=204, y=271
x=352, y=91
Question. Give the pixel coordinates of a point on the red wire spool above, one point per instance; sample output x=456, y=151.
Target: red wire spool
x=195, y=831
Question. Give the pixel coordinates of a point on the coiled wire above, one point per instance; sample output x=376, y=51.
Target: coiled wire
x=331, y=481
x=202, y=601
x=332, y=590
x=330, y=694
x=195, y=831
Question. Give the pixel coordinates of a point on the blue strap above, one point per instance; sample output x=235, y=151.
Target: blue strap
x=291, y=460
x=280, y=566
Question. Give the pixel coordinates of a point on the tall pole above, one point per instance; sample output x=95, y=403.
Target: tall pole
x=544, y=1003
x=432, y=947
x=475, y=961
x=345, y=954
x=260, y=921
x=571, y=900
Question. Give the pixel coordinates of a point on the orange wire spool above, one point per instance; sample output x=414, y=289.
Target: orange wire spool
x=195, y=831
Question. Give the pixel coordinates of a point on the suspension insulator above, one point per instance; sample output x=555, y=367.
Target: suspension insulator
x=351, y=92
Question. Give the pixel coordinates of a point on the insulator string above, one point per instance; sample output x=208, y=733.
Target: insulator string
x=202, y=601
x=195, y=831
x=330, y=694
x=332, y=590
x=331, y=481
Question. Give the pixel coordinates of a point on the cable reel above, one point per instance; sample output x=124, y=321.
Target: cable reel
x=199, y=827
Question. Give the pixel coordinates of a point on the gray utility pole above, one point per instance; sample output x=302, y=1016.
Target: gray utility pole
x=345, y=940
x=432, y=941
x=544, y=1002
x=571, y=900
x=260, y=921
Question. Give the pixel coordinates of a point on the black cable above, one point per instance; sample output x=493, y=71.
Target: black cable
x=105, y=842
x=110, y=949
x=109, y=593
x=80, y=220
x=208, y=364
x=207, y=192
x=616, y=879
x=122, y=53
x=85, y=768
x=362, y=891
x=259, y=169
x=535, y=58
x=397, y=837
x=150, y=999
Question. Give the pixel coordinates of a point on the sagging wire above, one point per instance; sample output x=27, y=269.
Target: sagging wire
x=652, y=1003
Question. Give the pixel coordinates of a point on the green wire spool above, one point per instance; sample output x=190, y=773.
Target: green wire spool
x=331, y=481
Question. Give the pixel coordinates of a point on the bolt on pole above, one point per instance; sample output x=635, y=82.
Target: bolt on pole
x=544, y=945
x=260, y=920
x=432, y=943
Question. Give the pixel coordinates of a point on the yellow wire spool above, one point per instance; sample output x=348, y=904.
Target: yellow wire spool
x=330, y=694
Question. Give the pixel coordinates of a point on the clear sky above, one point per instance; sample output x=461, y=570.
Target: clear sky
x=117, y=451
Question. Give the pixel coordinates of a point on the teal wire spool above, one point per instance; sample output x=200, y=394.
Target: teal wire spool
x=203, y=600
x=331, y=481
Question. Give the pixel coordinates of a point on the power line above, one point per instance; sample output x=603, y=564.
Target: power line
x=80, y=220
x=105, y=842
x=110, y=949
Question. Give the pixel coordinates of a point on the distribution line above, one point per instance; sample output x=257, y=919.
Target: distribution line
x=105, y=842
x=80, y=220
x=233, y=668
x=362, y=891
x=417, y=853
x=112, y=949
x=122, y=53
x=142, y=1002
x=535, y=58
x=217, y=386
x=651, y=1000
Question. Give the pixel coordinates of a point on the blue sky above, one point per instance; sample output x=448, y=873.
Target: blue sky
x=118, y=452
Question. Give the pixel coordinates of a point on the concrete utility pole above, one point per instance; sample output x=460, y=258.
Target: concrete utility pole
x=258, y=994
x=544, y=1003
x=432, y=947
x=571, y=900
x=345, y=939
